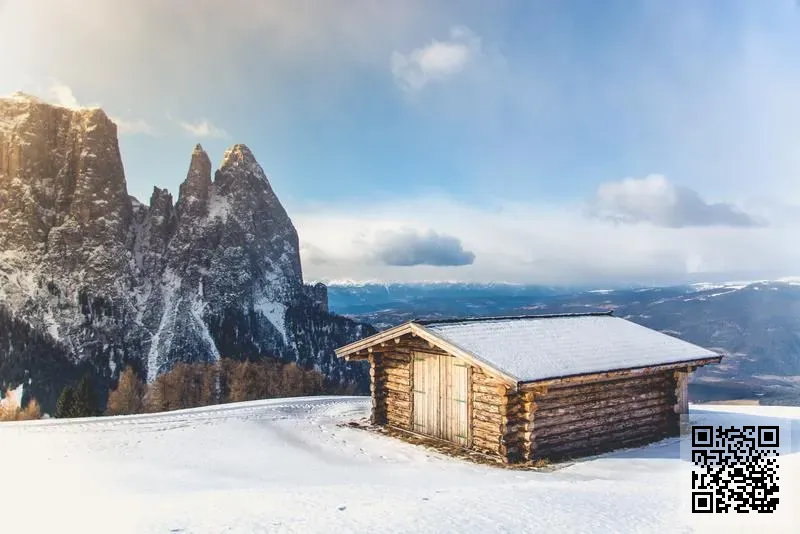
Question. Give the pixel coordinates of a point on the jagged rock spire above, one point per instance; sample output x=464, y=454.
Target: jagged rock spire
x=194, y=191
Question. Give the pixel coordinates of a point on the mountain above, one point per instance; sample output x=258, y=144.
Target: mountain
x=756, y=324
x=115, y=282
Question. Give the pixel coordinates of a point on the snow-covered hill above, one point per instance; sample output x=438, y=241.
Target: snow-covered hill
x=286, y=465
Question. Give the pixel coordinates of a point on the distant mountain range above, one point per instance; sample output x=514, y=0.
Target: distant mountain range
x=756, y=324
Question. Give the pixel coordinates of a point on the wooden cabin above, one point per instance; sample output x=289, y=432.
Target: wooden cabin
x=531, y=387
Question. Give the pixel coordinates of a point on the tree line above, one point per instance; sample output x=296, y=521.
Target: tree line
x=191, y=385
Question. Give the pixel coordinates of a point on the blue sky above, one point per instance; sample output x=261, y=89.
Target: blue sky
x=659, y=138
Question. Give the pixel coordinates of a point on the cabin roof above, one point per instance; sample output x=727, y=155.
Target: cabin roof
x=539, y=347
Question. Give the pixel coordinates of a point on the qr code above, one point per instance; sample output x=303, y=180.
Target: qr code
x=735, y=469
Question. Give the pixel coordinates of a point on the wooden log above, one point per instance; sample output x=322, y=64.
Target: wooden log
x=581, y=400
x=601, y=406
x=521, y=426
x=400, y=404
x=607, y=420
x=489, y=390
x=553, y=410
x=494, y=400
x=606, y=414
x=547, y=411
x=561, y=433
x=579, y=397
x=595, y=448
x=398, y=415
x=572, y=394
x=599, y=443
x=399, y=423
x=397, y=372
x=600, y=423
x=398, y=385
x=479, y=377
x=490, y=408
x=487, y=436
x=645, y=382
x=397, y=356
x=403, y=396
x=493, y=418
x=556, y=388
x=654, y=431
x=486, y=441
x=396, y=366
x=485, y=426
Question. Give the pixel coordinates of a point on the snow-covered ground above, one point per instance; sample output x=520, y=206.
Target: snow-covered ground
x=286, y=465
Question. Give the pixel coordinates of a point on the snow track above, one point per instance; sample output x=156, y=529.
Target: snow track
x=288, y=465
x=273, y=409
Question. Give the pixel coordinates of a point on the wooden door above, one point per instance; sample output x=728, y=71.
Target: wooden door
x=454, y=413
x=441, y=397
x=426, y=394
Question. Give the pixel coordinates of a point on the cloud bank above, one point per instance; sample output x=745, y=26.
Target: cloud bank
x=656, y=200
x=532, y=243
x=410, y=247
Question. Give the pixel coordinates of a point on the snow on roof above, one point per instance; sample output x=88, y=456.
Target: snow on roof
x=550, y=346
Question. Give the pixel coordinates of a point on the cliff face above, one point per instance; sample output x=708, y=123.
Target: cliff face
x=216, y=273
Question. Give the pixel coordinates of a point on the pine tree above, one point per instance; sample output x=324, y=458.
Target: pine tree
x=85, y=400
x=66, y=402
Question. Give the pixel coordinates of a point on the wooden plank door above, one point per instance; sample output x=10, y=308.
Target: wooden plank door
x=426, y=394
x=453, y=413
x=440, y=408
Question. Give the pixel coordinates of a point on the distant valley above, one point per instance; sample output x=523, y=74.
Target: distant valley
x=756, y=324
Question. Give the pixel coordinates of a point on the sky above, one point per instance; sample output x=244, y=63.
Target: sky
x=527, y=141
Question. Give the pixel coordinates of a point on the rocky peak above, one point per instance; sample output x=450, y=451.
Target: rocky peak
x=194, y=191
x=238, y=160
x=62, y=184
x=160, y=201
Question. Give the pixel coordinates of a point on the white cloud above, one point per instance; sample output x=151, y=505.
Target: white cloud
x=203, y=128
x=437, y=61
x=656, y=200
x=137, y=126
x=408, y=247
x=523, y=242
x=63, y=96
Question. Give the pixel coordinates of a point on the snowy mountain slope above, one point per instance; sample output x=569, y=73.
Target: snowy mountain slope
x=285, y=465
x=119, y=282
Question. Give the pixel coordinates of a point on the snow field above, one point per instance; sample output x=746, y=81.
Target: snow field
x=286, y=465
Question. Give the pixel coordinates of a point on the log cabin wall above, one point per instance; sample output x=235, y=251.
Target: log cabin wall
x=489, y=410
x=501, y=418
x=589, y=418
x=391, y=383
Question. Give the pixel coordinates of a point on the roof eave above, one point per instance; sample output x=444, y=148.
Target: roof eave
x=381, y=337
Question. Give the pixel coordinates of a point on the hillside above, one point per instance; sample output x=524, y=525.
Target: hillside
x=287, y=466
